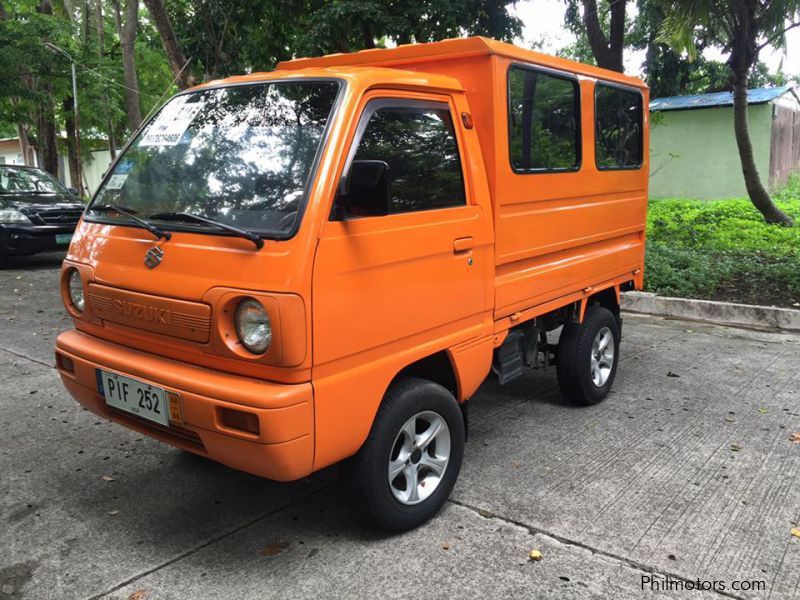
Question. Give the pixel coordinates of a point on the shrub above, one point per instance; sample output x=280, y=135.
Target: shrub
x=723, y=249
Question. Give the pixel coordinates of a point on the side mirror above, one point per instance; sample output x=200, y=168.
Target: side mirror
x=365, y=191
x=73, y=191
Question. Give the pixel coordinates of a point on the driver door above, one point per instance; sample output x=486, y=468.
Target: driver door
x=395, y=280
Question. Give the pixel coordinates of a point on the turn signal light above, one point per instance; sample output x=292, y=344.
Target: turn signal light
x=65, y=363
x=243, y=421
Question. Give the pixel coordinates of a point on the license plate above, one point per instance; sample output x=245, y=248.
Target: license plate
x=135, y=397
x=63, y=239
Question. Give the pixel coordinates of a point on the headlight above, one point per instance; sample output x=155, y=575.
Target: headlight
x=253, y=326
x=76, y=290
x=13, y=216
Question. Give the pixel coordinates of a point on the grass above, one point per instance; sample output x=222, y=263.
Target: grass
x=723, y=250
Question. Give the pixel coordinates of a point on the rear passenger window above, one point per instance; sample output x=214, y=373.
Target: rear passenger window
x=418, y=144
x=618, y=127
x=544, y=121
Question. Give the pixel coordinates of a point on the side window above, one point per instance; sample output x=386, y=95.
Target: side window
x=618, y=127
x=544, y=121
x=414, y=148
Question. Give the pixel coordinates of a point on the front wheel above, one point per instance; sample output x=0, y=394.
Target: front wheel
x=588, y=354
x=409, y=464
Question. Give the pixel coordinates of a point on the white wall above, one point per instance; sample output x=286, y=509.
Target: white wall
x=94, y=165
x=10, y=153
x=93, y=168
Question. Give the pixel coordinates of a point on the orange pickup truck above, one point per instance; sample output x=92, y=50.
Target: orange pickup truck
x=321, y=264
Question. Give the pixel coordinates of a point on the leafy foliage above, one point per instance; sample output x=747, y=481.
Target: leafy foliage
x=724, y=249
x=741, y=28
x=347, y=25
x=221, y=37
x=36, y=81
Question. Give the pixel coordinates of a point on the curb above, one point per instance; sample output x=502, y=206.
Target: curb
x=722, y=313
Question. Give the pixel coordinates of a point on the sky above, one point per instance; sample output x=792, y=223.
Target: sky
x=543, y=20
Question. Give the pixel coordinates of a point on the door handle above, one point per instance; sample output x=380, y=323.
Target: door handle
x=463, y=244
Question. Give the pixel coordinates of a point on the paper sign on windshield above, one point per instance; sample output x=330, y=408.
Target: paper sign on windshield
x=171, y=123
x=116, y=181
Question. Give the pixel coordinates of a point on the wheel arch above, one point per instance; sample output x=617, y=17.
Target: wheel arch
x=437, y=367
x=607, y=298
x=459, y=368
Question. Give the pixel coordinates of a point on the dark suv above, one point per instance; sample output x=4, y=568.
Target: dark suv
x=37, y=213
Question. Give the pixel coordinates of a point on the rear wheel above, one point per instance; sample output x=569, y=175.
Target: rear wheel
x=3, y=259
x=406, y=469
x=588, y=354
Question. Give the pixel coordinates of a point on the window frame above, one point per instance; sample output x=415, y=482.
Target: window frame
x=312, y=175
x=565, y=75
x=625, y=88
x=372, y=106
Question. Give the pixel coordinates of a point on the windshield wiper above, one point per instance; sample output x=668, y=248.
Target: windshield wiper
x=156, y=231
x=179, y=216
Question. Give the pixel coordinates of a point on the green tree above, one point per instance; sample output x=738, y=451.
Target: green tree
x=127, y=29
x=669, y=73
x=349, y=25
x=36, y=98
x=172, y=46
x=601, y=28
x=742, y=28
x=31, y=78
x=230, y=38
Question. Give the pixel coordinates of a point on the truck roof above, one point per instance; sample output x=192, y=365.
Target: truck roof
x=457, y=48
x=365, y=73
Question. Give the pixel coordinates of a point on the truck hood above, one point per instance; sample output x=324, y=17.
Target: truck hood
x=34, y=203
x=190, y=263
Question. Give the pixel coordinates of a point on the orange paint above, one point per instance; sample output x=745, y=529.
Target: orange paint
x=354, y=302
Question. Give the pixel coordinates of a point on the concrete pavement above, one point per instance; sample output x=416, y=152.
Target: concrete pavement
x=685, y=472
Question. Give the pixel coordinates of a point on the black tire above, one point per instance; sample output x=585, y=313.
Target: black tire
x=574, y=366
x=3, y=259
x=367, y=472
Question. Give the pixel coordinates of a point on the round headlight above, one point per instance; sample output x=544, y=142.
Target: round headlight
x=253, y=326
x=76, y=290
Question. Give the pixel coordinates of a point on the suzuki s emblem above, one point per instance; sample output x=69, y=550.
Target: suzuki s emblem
x=152, y=258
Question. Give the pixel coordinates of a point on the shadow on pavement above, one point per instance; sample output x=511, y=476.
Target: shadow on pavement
x=36, y=262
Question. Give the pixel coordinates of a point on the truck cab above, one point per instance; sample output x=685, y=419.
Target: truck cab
x=318, y=265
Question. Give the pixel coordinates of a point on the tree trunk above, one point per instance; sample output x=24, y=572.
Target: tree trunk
x=616, y=42
x=45, y=118
x=85, y=21
x=98, y=24
x=117, y=17
x=46, y=135
x=607, y=52
x=128, y=43
x=25, y=145
x=368, y=39
x=752, y=180
x=112, y=143
x=72, y=146
x=175, y=55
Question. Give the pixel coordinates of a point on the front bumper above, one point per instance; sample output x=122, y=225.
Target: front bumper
x=283, y=449
x=30, y=239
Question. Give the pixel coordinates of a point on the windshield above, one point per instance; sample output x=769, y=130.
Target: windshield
x=28, y=181
x=241, y=155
